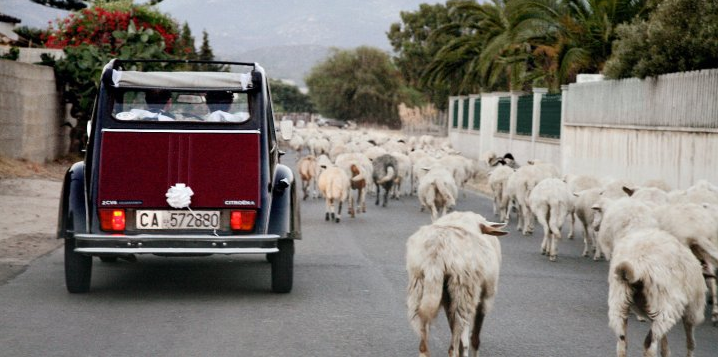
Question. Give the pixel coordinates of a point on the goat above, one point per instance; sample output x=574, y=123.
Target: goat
x=454, y=263
x=385, y=171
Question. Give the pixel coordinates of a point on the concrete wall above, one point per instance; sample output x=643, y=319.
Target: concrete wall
x=32, y=55
x=660, y=128
x=30, y=113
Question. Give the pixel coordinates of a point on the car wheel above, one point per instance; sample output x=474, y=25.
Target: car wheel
x=283, y=267
x=78, y=269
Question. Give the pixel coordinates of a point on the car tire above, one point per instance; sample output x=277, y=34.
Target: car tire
x=78, y=269
x=283, y=267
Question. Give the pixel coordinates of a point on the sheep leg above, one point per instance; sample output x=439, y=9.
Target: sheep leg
x=351, y=207
x=475, y=333
x=713, y=288
x=554, y=238
x=424, y=340
x=573, y=223
x=690, y=339
x=339, y=211
x=378, y=193
x=542, y=218
x=586, y=240
x=621, y=344
x=386, y=196
x=327, y=208
x=527, y=219
x=305, y=189
x=650, y=345
x=665, y=351
x=362, y=194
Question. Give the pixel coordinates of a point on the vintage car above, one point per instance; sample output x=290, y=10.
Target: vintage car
x=179, y=163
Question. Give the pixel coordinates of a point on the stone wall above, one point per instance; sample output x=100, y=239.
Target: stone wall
x=31, y=113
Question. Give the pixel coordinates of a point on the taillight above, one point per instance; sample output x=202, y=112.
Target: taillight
x=242, y=220
x=112, y=219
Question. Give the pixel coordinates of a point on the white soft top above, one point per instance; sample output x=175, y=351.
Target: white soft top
x=182, y=80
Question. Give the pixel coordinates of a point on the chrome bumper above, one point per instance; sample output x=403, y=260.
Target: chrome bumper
x=175, y=244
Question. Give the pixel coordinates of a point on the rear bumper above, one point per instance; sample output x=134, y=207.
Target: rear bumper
x=175, y=244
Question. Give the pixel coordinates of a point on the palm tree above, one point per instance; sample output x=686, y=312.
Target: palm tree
x=572, y=36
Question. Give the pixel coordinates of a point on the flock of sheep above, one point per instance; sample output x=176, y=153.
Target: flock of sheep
x=662, y=244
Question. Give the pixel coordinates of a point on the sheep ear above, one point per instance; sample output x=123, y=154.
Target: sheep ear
x=492, y=231
x=576, y=194
x=628, y=191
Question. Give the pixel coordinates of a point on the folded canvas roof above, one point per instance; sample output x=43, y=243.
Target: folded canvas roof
x=182, y=80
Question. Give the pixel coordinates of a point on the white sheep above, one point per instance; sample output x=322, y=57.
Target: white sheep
x=497, y=180
x=519, y=186
x=308, y=172
x=437, y=191
x=696, y=227
x=659, y=279
x=358, y=167
x=584, y=212
x=551, y=202
x=578, y=183
x=334, y=185
x=617, y=219
x=453, y=262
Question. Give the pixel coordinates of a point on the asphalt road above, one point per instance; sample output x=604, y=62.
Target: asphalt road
x=348, y=300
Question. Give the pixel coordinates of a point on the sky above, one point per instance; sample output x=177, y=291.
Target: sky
x=237, y=25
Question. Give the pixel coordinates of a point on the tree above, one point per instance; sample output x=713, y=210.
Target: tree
x=185, y=44
x=666, y=42
x=73, y=5
x=572, y=36
x=361, y=85
x=288, y=98
x=206, y=54
x=415, y=47
x=93, y=36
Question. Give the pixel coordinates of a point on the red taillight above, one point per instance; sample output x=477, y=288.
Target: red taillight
x=112, y=219
x=242, y=220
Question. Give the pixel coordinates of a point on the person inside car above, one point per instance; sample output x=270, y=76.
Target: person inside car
x=219, y=103
x=159, y=103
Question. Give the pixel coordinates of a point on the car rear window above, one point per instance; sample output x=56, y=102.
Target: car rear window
x=182, y=106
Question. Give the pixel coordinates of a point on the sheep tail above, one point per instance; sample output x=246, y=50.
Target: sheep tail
x=428, y=289
x=625, y=272
x=389, y=176
x=448, y=197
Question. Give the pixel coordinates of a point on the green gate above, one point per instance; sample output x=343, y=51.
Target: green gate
x=503, y=124
x=550, y=116
x=524, y=115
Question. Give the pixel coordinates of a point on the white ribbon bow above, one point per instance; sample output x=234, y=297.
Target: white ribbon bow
x=178, y=196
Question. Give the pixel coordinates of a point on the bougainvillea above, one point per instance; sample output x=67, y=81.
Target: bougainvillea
x=95, y=26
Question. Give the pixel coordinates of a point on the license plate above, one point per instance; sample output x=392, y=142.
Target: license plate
x=177, y=219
